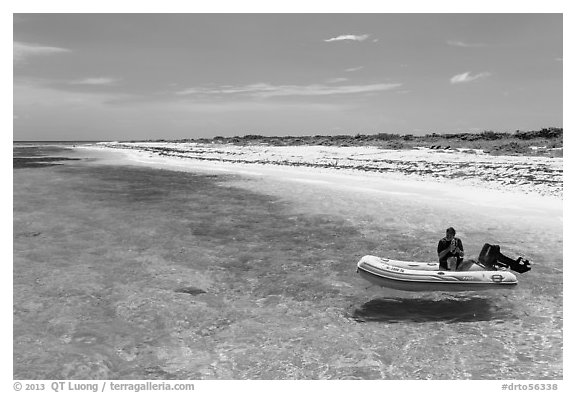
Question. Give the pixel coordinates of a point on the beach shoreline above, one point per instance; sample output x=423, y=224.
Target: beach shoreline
x=543, y=202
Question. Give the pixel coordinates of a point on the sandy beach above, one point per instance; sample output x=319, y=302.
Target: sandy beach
x=530, y=187
x=523, y=174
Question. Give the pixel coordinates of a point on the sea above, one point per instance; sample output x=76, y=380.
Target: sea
x=126, y=271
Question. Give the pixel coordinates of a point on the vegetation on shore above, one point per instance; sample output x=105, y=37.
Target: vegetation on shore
x=545, y=142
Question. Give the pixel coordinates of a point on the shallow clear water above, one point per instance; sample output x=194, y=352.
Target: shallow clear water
x=129, y=272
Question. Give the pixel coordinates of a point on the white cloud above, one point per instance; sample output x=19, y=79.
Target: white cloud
x=228, y=89
x=23, y=51
x=349, y=37
x=264, y=90
x=31, y=96
x=463, y=44
x=467, y=77
x=336, y=80
x=95, y=81
x=354, y=69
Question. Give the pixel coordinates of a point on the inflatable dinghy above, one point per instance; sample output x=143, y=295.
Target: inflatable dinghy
x=424, y=276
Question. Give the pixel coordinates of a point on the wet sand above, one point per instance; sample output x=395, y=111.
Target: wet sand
x=137, y=272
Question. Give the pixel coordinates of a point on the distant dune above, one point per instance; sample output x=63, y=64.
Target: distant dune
x=545, y=142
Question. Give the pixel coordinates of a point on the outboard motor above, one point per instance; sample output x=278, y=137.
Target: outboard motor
x=491, y=258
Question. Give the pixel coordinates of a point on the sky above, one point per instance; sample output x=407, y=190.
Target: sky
x=172, y=76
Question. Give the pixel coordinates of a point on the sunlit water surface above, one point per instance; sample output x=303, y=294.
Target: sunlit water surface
x=124, y=272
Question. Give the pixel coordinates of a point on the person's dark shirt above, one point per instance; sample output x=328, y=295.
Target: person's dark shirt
x=443, y=245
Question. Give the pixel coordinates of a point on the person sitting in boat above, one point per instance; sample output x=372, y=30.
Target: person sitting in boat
x=450, y=251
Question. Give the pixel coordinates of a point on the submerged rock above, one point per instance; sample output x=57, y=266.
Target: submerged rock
x=190, y=290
